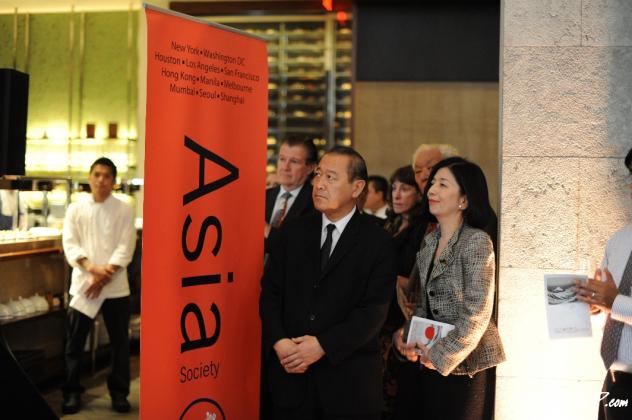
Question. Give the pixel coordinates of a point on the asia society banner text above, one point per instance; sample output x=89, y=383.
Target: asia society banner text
x=205, y=153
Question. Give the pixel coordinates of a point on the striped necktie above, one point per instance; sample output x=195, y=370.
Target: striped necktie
x=612, y=330
x=278, y=217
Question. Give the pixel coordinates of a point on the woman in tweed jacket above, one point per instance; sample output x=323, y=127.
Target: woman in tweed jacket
x=453, y=282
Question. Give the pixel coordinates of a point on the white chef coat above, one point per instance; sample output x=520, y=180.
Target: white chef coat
x=104, y=233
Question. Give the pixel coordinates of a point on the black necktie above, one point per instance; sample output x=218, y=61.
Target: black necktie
x=326, y=249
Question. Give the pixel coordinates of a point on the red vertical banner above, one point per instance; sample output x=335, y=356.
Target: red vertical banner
x=205, y=154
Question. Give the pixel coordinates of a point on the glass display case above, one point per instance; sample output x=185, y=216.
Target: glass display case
x=34, y=283
x=342, y=125
x=52, y=157
x=33, y=207
x=34, y=277
x=310, y=79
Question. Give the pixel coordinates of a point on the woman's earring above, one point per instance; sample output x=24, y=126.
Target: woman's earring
x=460, y=206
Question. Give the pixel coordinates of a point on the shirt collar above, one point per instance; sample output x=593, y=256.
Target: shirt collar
x=341, y=223
x=433, y=237
x=294, y=192
x=91, y=199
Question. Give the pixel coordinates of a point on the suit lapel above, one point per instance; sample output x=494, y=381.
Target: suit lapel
x=271, y=195
x=426, y=254
x=446, y=257
x=312, y=245
x=346, y=242
x=300, y=201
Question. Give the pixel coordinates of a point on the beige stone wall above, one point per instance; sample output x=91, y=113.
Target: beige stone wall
x=566, y=118
x=392, y=118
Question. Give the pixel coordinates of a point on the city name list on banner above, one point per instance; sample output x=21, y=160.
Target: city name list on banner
x=209, y=74
x=205, y=157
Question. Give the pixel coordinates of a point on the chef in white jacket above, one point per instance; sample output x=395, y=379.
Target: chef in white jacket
x=99, y=239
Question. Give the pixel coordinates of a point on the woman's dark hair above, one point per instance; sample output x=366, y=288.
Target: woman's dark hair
x=405, y=175
x=628, y=160
x=471, y=180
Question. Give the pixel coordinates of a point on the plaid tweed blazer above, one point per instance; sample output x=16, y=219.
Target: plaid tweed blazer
x=460, y=291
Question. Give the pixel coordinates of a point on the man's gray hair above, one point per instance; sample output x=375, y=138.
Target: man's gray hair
x=447, y=150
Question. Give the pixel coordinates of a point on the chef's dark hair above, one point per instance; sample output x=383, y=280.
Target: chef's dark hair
x=105, y=162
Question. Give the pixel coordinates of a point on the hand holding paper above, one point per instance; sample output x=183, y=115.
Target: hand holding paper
x=568, y=316
x=600, y=291
x=426, y=332
x=84, y=304
x=407, y=350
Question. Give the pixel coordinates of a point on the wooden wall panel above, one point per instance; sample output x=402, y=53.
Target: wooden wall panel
x=392, y=118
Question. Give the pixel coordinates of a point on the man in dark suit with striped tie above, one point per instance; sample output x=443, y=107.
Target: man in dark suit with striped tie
x=292, y=198
x=325, y=295
x=289, y=200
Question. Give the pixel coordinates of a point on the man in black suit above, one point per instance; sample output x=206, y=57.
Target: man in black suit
x=325, y=295
x=290, y=199
x=293, y=196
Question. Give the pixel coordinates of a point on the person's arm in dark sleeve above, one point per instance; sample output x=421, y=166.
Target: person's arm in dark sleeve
x=271, y=298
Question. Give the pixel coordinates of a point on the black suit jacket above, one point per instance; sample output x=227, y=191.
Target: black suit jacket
x=344, y=307
x=302, y=204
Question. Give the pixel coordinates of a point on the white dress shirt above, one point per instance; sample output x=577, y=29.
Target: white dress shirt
x=278, y=203
x=615, y=259
x=341, y=224
x=104, y=233
x=381, y=212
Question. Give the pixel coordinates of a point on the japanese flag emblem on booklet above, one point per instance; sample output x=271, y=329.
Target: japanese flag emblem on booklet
x=427, y=331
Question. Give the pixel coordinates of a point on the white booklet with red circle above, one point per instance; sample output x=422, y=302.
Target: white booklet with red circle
x=427, y=331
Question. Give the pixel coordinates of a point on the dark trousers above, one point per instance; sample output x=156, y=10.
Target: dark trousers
x=425, y=394
x=265, y=401
x=311, y=408
x=116, y=313
x=616, y=404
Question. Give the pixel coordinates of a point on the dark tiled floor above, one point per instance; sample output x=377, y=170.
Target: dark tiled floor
x=96, y=400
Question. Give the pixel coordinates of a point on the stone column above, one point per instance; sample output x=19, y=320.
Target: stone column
x=566, y=124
